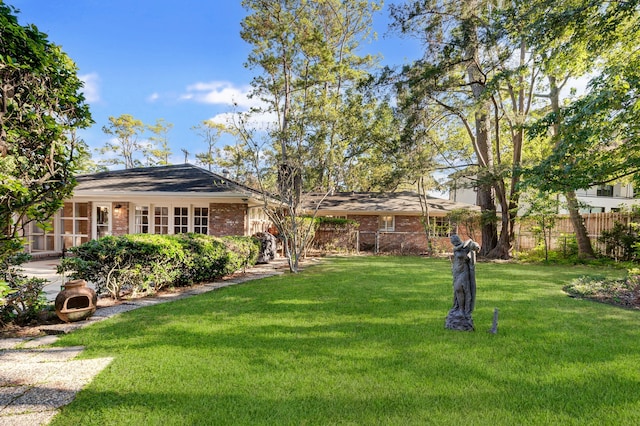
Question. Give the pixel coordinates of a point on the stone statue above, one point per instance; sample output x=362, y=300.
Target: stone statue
x=463, y=268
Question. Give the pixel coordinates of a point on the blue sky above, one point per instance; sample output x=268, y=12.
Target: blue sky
x=179, y=61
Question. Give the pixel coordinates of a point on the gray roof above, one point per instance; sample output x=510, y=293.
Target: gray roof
x=374, y=202
x=183, y=178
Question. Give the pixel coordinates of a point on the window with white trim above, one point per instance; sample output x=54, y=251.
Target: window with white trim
x=74, y=222
x=141, y=218
x=41, y=237
x=161, y=220
x=387, y=223
x=201, y=220
x=180, y=220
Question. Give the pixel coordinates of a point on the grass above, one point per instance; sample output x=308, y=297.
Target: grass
x=361, y=341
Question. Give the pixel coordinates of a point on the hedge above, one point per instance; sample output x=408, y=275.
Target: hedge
x=147, y=263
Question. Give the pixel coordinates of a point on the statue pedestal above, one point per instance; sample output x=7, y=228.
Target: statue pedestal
x=458, y=320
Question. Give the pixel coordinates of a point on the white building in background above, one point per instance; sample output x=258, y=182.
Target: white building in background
x=607, y=198
x=598, y=199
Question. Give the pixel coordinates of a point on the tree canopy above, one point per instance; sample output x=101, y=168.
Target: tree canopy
x=41, y=104
x=599, y=141
x=309, y=69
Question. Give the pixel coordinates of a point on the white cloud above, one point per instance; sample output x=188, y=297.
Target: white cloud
x=219, y=93
x=153, y=97
x=91, y=88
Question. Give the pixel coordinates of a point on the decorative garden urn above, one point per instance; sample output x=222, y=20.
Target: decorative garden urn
x=76, y=302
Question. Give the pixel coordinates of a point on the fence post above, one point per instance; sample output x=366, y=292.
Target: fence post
x=377, y=242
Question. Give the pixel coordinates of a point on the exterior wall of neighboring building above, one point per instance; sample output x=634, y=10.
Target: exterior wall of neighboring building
x=598, y=199
x=463, y=194
x=606, y=198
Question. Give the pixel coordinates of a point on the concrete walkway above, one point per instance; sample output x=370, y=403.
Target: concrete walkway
x=45, y=269
x=36, y=380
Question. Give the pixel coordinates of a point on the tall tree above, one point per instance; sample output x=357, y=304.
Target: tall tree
x=573, y=37
x=476, y=77
x=210, y=133
x=160, y=151
x=453, y=77
x=306, y=53
x=236, y=159
x=41, y=104
x=127, y=146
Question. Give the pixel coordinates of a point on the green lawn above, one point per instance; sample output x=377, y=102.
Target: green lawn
x=361, y=341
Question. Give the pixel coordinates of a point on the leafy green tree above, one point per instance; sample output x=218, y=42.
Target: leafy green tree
x=126, y=148
x=160, y=151
x=306, y=53
x=236, y=159
x=210, y=133
x=457, y=84
x=41, y=103
x=593, y=136
x=542, y=209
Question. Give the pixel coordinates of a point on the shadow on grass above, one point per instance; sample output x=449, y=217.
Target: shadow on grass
x=573, y=400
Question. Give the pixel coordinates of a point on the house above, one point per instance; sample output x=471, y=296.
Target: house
x=391, y=222
x=606, y=198
x=185, y=198
x=156, y=200
x=598, y=199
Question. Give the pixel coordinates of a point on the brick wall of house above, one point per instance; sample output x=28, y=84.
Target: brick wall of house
x=402, y=242
x=408, y=236
x=408, y=224
x=120, y=225
x=227, y=219
x=367, y=222
x=369, y=225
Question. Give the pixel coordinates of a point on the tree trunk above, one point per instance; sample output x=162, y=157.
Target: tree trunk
x=482, y=146
x=489, y=228
x=584, y=243
x=585, y=250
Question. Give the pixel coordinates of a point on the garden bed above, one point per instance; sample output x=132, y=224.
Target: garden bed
x=624, y=293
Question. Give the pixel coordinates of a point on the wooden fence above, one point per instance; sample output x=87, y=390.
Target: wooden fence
x=562, y=232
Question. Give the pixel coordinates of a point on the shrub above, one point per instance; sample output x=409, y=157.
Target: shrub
x=621, y=241
x=241, y=252
x=147, y=263
x=21, y=298
x=336, y=222
x=565, y=253
x=205, y=258
x=24, y=301
x=140, y=262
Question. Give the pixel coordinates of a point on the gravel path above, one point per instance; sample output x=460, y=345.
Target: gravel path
x=36, y=380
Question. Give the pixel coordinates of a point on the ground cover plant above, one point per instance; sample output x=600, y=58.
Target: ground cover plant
x=362, y=341
x=624, y=292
